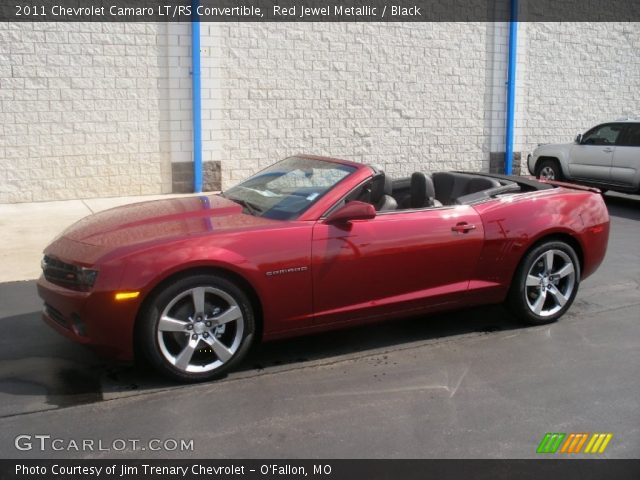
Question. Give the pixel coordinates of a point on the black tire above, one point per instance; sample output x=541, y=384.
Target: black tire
x=549, y=169
x=553, y=294
x=166, y=350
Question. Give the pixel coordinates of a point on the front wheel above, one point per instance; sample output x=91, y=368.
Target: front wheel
x=197, y=328
x=545, y=283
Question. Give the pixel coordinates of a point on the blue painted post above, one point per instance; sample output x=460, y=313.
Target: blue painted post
x=511, y=87
x=196, y=98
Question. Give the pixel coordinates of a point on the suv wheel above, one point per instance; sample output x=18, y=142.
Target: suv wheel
x=549, y=170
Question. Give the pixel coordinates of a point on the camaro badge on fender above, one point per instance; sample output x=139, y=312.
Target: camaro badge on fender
x=286, y=270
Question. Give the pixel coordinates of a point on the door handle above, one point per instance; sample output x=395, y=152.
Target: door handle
x=463, y=227
x=608, y=150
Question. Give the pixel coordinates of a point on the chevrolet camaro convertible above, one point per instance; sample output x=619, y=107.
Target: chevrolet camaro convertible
x=312, y=244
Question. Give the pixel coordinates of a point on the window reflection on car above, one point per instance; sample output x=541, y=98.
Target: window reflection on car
x=287, y=189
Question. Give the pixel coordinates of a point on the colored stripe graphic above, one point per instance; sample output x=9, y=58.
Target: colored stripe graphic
x=567, y=443
x=550, y=442
x=581, y=443
x=598, y=443
x=574, y=443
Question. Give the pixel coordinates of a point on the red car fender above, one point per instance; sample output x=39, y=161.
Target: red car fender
x=141, y=273
x=511, y=231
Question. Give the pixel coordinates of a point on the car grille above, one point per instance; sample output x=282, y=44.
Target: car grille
x=61, y=273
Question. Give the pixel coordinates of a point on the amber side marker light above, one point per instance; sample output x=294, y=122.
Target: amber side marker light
x=126, y=295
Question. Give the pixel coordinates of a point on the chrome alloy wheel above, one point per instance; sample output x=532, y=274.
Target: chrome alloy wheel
x=200, y=329
x=550, y=282
x=548, y=173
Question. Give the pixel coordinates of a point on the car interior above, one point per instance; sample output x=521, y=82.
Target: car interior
x=422, y=190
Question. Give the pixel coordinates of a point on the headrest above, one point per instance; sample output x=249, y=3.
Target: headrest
x=388, y=185
x=422, y=190
x=378, y=186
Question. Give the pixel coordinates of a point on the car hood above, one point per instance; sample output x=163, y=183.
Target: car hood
x=552, y=147
x=161, y=219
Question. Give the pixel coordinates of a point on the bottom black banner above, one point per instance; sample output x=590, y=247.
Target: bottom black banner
x=320, y=469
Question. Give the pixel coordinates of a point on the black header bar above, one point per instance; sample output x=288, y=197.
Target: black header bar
x=543, y=468
x=318, y=10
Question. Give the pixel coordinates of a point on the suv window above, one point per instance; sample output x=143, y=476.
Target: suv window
x=603, y=135
x=631, y=135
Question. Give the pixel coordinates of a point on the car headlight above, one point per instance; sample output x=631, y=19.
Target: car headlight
x=86, y=276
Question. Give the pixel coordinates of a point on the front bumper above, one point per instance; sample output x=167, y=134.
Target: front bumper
x=531, y=164
x=91, y=318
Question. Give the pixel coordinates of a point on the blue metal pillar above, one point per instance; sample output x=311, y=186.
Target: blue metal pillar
x=196, y=98
x=511, y=87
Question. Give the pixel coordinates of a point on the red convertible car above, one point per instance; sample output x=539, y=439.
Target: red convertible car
x=312, y=244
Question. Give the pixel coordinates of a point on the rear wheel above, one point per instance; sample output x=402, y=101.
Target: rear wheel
x=197, y=328
x=545, y=283
x=549, y=170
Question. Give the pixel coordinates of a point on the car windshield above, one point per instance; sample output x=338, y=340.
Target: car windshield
x=285, y=190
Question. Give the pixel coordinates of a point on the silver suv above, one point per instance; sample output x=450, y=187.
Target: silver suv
x=607, y=157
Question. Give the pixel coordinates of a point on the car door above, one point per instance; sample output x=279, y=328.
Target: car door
x=397, y=262
x=626, y=158
x=593, y=157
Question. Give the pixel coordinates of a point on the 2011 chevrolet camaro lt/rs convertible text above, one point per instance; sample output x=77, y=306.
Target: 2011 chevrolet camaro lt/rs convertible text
x=311, y=244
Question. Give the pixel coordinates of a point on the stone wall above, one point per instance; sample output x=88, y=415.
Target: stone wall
x=405, y=97
x=575, y=76
x=80, y=111
x=104, y=109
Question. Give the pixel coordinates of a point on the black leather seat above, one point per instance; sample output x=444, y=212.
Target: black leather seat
x=422, y=191
x=381, y=190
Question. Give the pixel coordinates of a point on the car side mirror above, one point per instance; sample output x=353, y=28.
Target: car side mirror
x=579, y=138
x=352, y=211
